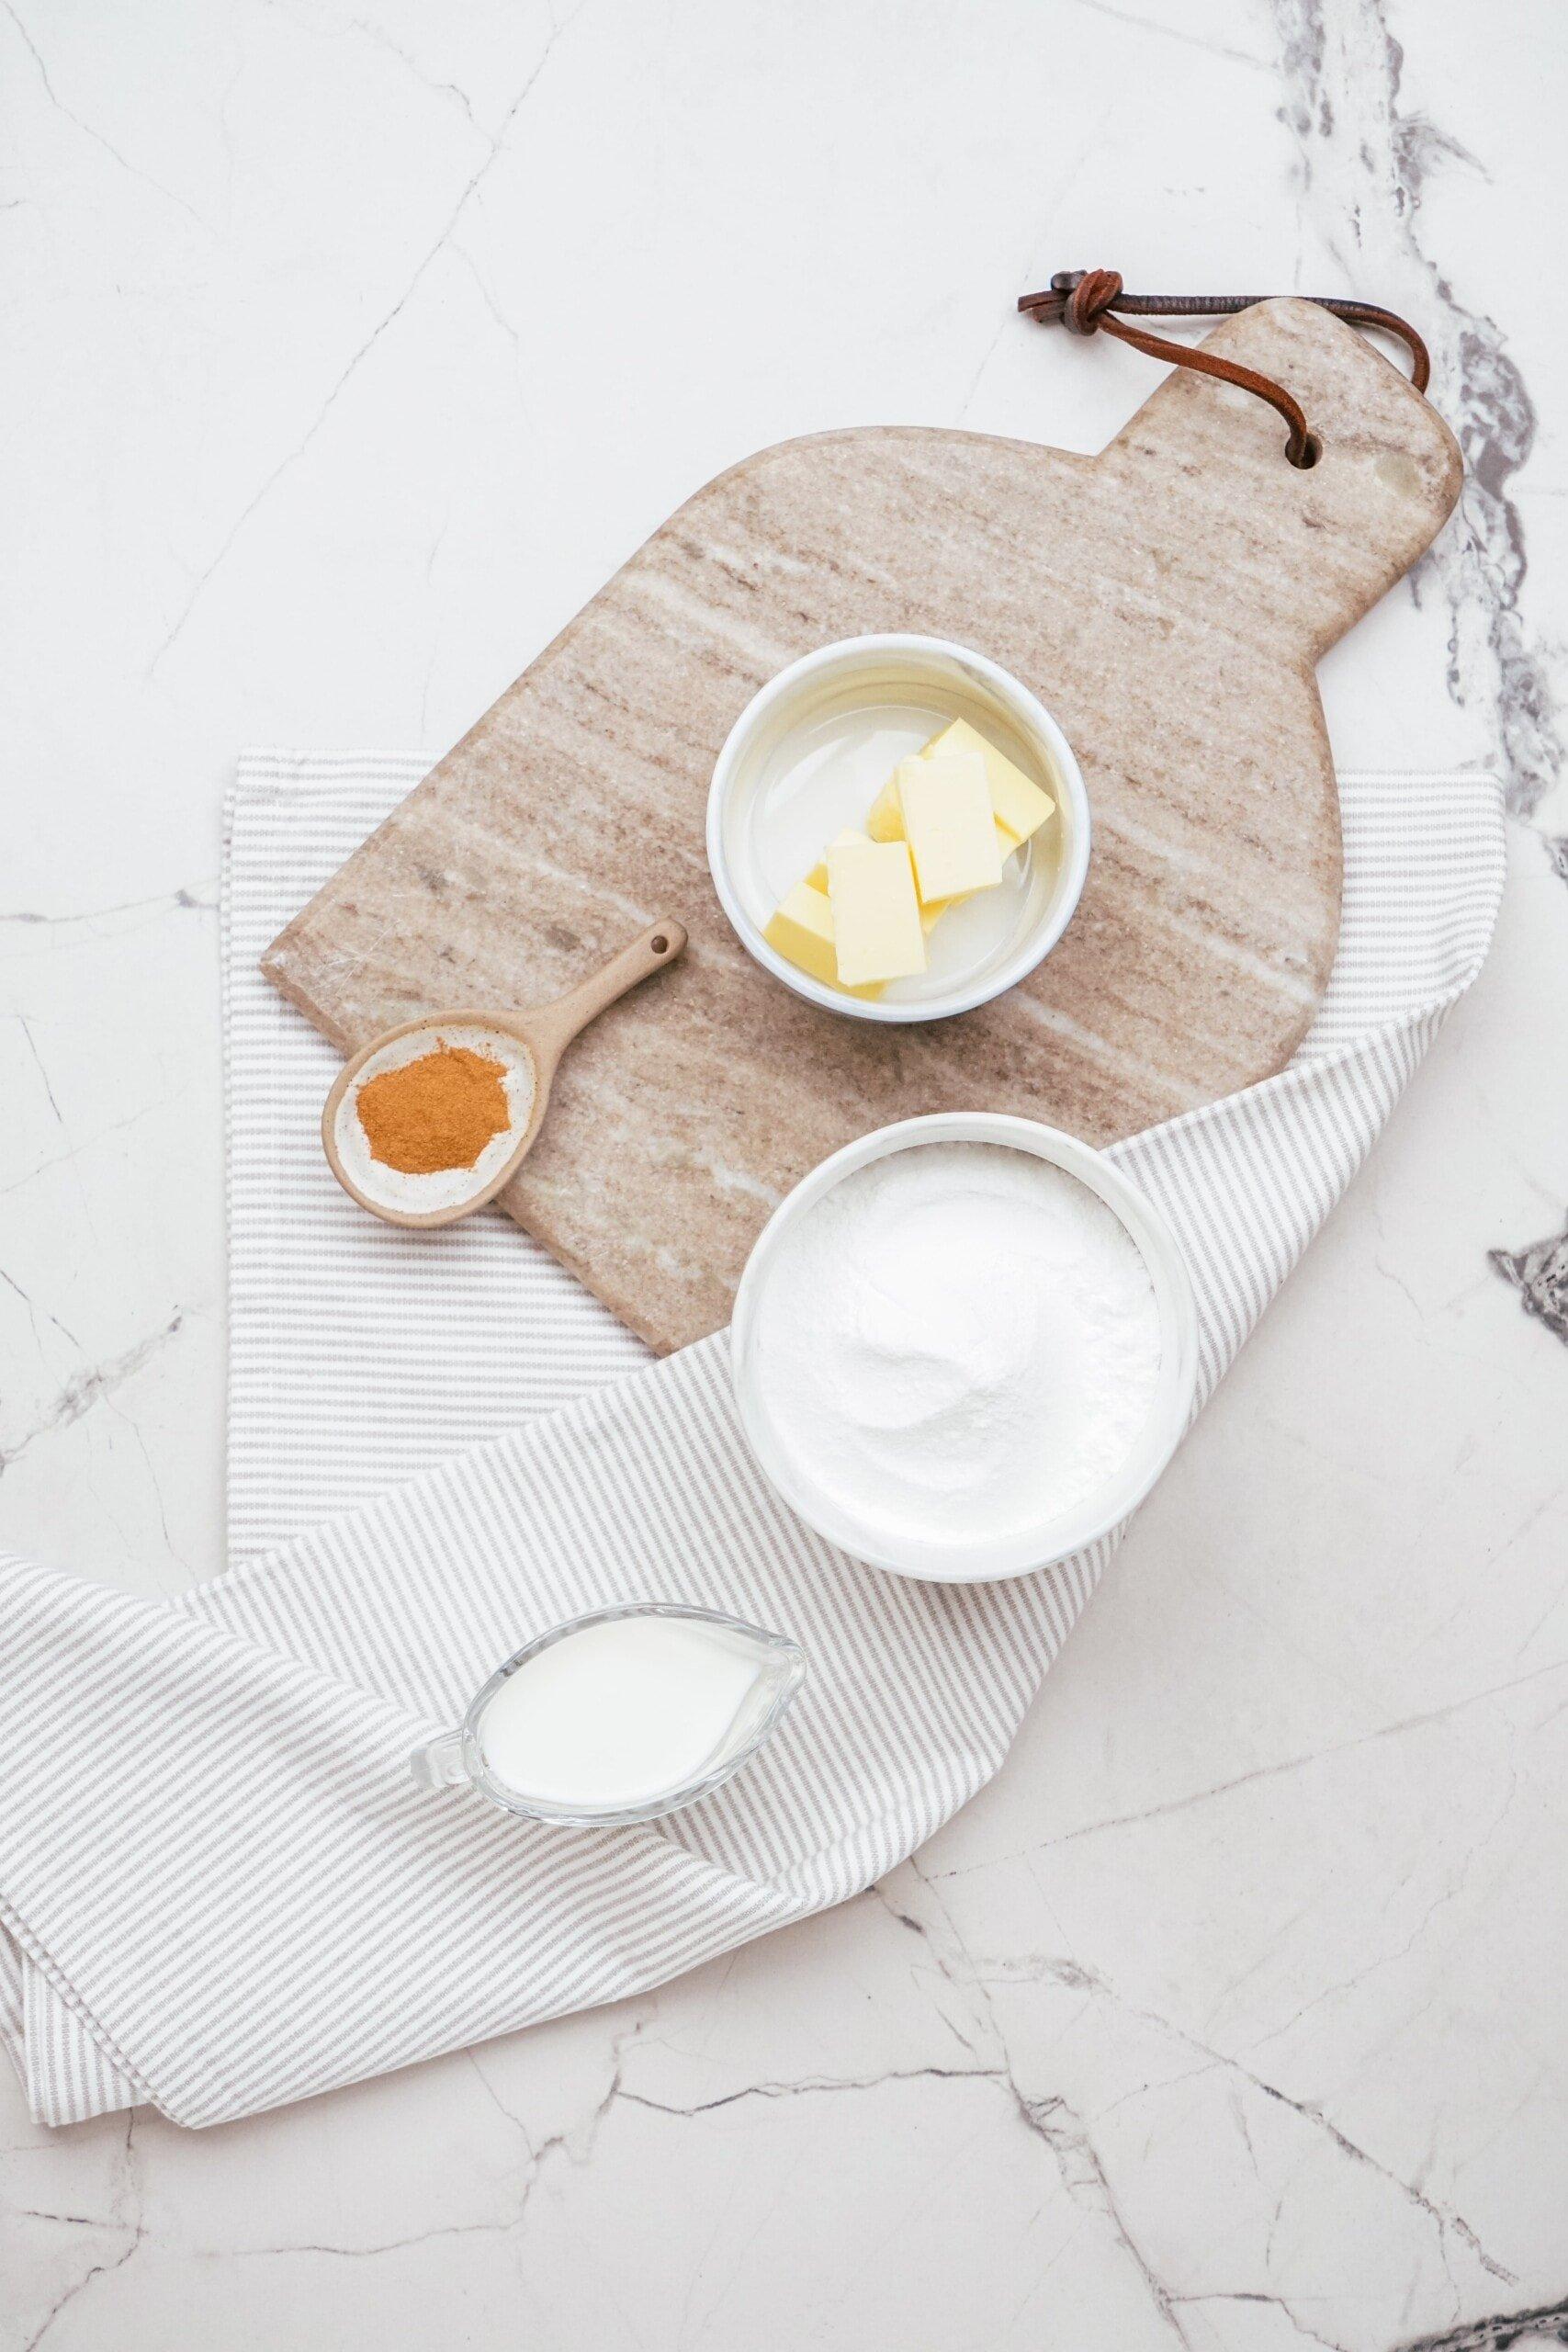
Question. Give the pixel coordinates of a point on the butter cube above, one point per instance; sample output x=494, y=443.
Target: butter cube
x=885, y=822
x=818, y=877
x=948, y=825
x=876, y=915
x=1019, y=806
x=802, y=929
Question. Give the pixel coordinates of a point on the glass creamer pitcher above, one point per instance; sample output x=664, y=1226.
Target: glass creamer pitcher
x=620, y=1715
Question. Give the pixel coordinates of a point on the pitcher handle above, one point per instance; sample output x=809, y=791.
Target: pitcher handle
x=439, y=1763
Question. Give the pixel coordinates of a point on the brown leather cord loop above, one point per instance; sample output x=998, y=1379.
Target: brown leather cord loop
x=1087, y=302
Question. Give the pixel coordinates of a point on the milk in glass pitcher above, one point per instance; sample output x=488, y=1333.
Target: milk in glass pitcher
x=620, y=1715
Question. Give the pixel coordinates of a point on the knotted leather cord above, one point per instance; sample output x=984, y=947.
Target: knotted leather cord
x=1085, y=301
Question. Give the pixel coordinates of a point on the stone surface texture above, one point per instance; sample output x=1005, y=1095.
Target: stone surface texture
x=1167, y=601
x=352, y=345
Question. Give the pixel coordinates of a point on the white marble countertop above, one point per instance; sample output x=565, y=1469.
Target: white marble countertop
x=351, y=345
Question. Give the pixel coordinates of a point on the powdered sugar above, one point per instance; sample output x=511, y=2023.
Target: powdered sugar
x=958, y=1341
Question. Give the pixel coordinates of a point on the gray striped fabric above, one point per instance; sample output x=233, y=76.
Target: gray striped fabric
x=220, y=1888
x=345, y=1373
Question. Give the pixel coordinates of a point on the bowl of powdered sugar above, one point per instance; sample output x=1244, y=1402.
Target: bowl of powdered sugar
x=965, y=1347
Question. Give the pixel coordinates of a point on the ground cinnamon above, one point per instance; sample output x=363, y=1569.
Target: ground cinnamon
x=438, y=1111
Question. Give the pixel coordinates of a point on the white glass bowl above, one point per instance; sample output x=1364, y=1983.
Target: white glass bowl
x=808, y=756
x=981, y=1560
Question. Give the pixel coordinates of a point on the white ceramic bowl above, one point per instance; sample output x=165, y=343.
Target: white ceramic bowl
x=809, y=754
x=937, y=1559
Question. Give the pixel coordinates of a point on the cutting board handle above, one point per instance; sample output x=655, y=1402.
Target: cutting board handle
x=1203, y=464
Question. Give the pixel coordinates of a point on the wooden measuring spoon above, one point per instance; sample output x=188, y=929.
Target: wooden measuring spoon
x=544, y=1033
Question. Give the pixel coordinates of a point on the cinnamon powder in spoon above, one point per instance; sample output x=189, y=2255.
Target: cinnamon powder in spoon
x=437, y=1112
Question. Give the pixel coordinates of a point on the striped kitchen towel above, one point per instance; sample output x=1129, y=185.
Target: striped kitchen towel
x=219, y=1887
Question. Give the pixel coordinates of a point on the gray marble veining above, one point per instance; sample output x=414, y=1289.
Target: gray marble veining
x=1366, y=159
x=1540, y=1275
x=1514, y=2331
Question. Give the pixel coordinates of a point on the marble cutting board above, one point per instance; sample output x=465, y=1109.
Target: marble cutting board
x=1167, y=599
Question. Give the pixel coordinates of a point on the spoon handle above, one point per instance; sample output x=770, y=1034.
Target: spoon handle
x=554, y=1025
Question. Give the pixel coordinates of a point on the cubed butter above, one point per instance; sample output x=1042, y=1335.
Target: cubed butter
x=875, y=913
x=802, y=930
x=818, y=877
x=885, y=822
x=1019, y=806
x=948, y=825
